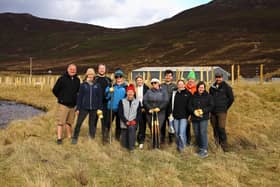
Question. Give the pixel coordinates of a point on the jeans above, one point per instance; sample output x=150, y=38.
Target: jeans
x=200, y=131
x=180, y=126
x=91, y=122
x=128, y=137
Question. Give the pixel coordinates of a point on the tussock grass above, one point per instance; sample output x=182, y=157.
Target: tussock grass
x=29, y=155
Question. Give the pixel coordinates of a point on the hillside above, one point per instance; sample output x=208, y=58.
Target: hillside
x=29, y=155
x=220, y=32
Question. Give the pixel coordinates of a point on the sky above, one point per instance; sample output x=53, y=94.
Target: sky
x=107, y=13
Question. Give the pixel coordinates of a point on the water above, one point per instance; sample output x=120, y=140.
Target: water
x=10, y=110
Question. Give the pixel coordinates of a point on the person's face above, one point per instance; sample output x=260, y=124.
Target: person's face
x=168, y=77
x=201, y=89
x=101, y=69
x=119, y=79
x=130, y=94
x=191, y=82
x=155, y=85
x=90, y=77
x=139, y=81
x=181, y=85
x=72, y=70
x=219, y=79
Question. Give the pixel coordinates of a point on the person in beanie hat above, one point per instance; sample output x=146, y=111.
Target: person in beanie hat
x=129, y=111
x=88, y=103
x=191, y=87
x=114, y=94
x=223, y=99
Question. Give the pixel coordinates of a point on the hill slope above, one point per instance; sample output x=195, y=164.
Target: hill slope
x=220, y=32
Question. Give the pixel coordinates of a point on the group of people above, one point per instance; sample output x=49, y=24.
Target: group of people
x=166, y=105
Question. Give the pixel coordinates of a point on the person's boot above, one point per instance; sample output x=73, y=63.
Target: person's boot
x=225, y=146
x=105, y=136
x=170, y=138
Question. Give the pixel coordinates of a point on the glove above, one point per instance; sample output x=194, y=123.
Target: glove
x=129, y=123
x=99, y=113
x=156, y=109
x=111, y=90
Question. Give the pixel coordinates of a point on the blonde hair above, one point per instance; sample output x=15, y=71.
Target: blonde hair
x=90, y=71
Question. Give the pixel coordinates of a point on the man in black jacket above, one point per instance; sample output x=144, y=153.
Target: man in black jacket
x=223, y=99
x=66, y=89
x=104, y=82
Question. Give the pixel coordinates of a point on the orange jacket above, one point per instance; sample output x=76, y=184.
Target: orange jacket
x=191, y=89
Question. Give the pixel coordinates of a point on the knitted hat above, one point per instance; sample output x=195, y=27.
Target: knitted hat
x=218, y=74
x=131, y=87
x=191, y=75
x=119, y=72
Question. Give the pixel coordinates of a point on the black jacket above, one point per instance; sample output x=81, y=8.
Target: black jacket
x=204, y=102
x=66, y=89
x=104, y=83
x=180, y=107
x=222, y=95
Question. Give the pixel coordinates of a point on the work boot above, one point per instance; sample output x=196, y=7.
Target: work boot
x=225, y=147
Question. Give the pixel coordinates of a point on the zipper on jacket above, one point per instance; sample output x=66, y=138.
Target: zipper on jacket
x=90, y=91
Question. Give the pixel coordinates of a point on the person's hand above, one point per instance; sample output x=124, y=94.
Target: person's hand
x=142, y=109
x=99, y=113
x=77, y=112
x=111, y=90
x=151, y=111
x=156, y=109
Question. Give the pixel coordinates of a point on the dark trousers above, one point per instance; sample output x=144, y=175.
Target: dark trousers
x=188, y=133
x=118, y=124
x=91, y=122
x=128, y=137
x=218, y=122
x=104, y=124
x=142, y=128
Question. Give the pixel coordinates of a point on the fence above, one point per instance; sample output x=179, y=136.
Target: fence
x=258, y=73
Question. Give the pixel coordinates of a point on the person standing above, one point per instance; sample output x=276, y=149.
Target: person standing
x=88, y=103
x=223, y=99
x=179, y=112
x=114, y=94
x=65, y=90
x=129, y=111
x=191, y=87
x=155, y=101
x=141, y=89
x=200, y=106
x=104, y=82
x=169, y=86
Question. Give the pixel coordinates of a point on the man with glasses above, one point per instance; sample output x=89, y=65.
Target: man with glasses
x=114, y=94
x=223, y=99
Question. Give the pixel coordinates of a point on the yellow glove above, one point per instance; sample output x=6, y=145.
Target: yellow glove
x=200, y=112
x=196, y=113
x=156, y=109
x=111, y=90
x=99, y=114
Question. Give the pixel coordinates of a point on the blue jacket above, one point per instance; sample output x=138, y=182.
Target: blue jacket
x=114, y=99
x=90, y=97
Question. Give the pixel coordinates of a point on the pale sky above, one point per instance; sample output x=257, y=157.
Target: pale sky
x=107, y=13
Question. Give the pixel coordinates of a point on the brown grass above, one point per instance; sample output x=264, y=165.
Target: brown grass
x=29, y=155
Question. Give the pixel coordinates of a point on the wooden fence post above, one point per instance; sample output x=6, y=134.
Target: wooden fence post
x=232, y=74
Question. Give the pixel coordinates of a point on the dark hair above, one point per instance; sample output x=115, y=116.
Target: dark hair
x=200, y=83
x=168, y=71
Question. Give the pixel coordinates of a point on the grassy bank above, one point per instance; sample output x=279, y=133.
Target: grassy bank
x=29, y=155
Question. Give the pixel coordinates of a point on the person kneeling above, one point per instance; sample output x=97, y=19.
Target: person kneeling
x=130, y=113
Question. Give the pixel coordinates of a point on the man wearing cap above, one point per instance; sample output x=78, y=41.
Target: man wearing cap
x=223, y=99
x=104, y=82
x=129, y=111
x=169, y=86
x=114, y=94
x=155, y=101
x=66, y=90
x=191, y=87
x=141, y=89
